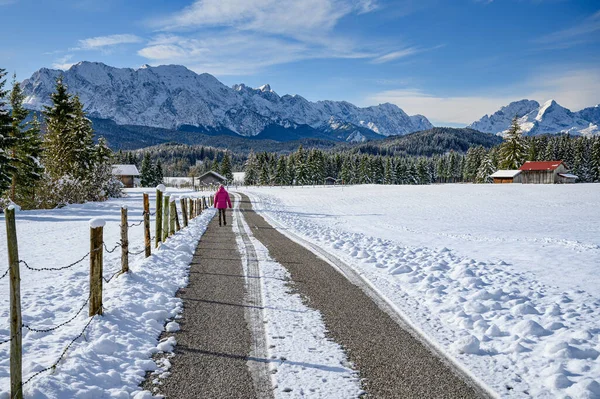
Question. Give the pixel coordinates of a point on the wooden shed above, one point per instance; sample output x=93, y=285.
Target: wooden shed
x=126, y=174
x=506, y=176
x=211, y=178
x=330, y=181
x=542, y=172
x=567, y=178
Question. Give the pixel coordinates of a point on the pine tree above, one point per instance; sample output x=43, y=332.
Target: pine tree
x=81, y=152
x=6, y=162
x=485, y=170
x=226, y=168
x=25, y=151
x=281, y=175
x=158, y=173
x=596, y=159
x=264, y=178
x=251, y=175
x=513, y=151
x=147, y=171
x=389, y=177
x=58, y=141
x=291, y=170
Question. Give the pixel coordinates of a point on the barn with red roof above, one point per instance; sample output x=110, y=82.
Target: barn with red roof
x=545, y=172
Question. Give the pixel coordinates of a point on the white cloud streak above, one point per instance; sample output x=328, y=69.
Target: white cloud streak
x=100, y=42
x=242, y=37
x=587, y=30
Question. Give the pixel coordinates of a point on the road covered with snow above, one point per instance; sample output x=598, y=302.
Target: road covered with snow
x=111, y=357
x=503, y=278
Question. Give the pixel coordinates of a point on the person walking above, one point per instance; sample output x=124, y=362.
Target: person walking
x=222, y=201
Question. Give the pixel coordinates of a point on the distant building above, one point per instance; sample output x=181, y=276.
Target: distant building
x=126, y=174
x=566, y=178
x=542, y=172
x=211, y=178
x=330, y=181
x=506, y=176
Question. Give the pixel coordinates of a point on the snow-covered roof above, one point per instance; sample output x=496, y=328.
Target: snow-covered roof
x=212, y=172
x=125, y=170
x=505, y=174
x=568, y=176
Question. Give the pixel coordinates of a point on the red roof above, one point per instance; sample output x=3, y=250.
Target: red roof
x=541, y=165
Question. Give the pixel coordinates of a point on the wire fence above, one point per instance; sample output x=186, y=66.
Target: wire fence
x=107, y=280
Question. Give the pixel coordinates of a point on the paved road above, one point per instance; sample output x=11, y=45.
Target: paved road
x=391, y=362
x=212, y=349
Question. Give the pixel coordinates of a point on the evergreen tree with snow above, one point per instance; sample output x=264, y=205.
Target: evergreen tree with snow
x=251, y=175
x=513, y=151
x=226, y=171
x=25, y=151
x=147, y=171
x=281, y=175
x=389, y=177
x=7, y=167
x=596, y=159
x=158, y=173
x=264, y=178
x=291, y=170
x=486, y=169
x=82, y=154
x=58, y=140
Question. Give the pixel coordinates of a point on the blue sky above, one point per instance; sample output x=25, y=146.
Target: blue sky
x=451, y=60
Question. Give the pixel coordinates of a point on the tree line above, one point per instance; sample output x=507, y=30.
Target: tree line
x=52, y=162
x=307, y=167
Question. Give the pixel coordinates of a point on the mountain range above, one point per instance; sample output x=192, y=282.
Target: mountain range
x=535, y=119
x=176, y=98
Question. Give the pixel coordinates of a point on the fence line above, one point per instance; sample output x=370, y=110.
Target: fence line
x=169, y=214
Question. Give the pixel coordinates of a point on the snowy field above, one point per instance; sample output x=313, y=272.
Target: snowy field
x=503, y=278
x=111, y=358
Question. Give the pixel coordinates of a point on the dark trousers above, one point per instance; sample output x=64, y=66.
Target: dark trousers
x=222, y=216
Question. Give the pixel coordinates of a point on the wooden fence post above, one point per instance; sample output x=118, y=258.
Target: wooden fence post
x=158, y=223
x=177, y=225
x=191, y=210
x=16, y=324
x=172, y=216
x=147, y=243
x=184, y=215
x=124, y=241
x=165, y=227
x=96, y=241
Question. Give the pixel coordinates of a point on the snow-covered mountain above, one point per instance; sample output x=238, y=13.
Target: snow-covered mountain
x=537, y=119
x=172, y=96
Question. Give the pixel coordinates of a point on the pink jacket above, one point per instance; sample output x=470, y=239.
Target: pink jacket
x=222, y=200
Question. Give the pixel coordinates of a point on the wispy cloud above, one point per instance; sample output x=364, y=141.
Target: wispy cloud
x=64, y=62
x=101, y=42
x=242, y=37
x=573, y=88
x=585, y=31
x=395, y=55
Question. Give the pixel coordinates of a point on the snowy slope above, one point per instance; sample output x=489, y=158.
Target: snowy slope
x=502, y=277
x=534, y=119
x=171, y=96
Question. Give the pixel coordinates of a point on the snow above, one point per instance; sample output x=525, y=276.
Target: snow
x=116, y=349
x=95, y=223
x=125, y=170
x=304, y=362
x=161, y=188
x=534, y=119
x=503, y=278
x=139, y=96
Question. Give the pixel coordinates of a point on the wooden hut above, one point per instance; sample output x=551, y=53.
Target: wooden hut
x=126, y=174
x=330, y=181
x=506, y=176
x=211, y=178
x=567, y=178
x=542, y=172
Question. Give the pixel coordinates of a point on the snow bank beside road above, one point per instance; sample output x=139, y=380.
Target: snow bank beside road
x=507, y=323
x=112, y=358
